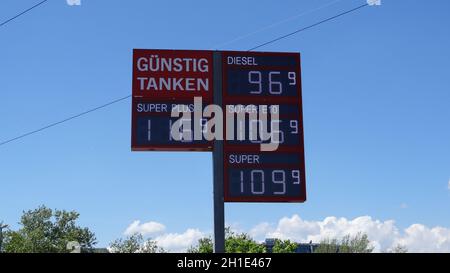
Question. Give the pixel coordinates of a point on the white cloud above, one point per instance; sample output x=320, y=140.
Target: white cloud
x=384, y=235
x=448, y=185
x=179, y=242
x=260, y=230
x=403, y=206
x=73, y=2
x=144, y=228
x=420, y=238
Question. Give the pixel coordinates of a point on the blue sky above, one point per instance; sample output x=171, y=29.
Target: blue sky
x=376, y=95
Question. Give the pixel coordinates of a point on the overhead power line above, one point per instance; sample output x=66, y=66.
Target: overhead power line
x=304, y=13
x=308, y=27
x=64, y=120
x=128, y=96
x=22, y=13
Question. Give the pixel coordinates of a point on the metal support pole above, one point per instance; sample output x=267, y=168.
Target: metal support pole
x=219, y=207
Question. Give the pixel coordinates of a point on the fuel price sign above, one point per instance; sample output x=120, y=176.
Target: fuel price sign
x=272, y=81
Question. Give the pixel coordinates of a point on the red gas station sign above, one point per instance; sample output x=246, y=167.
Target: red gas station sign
x=254, y=82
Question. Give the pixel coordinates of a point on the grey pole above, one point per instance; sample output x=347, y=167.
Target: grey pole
x=219, y=207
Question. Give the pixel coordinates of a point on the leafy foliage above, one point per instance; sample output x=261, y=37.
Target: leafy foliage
x=348, y=244
x=48, y=231
x=205, y=245
x=284, y=246
x=234, y=243
x=241, y=243
x=2, y=227
x=135, y=244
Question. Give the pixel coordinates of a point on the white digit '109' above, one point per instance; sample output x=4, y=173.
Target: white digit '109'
x=278, y=177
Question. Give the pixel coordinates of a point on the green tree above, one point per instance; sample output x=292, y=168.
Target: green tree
x=328, y=246
x=242, y=243
x=348, y=244
x=205, y=245
x=234, y=243
x=2, y=227
x=49, y=231
x=284, y=246
x=135, y=244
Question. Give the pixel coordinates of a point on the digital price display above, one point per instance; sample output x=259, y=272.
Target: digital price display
x=264, y=176
x=264, y=184
x=153, y=124
x=257, y=80
x=261, y=82
x=288, y=131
